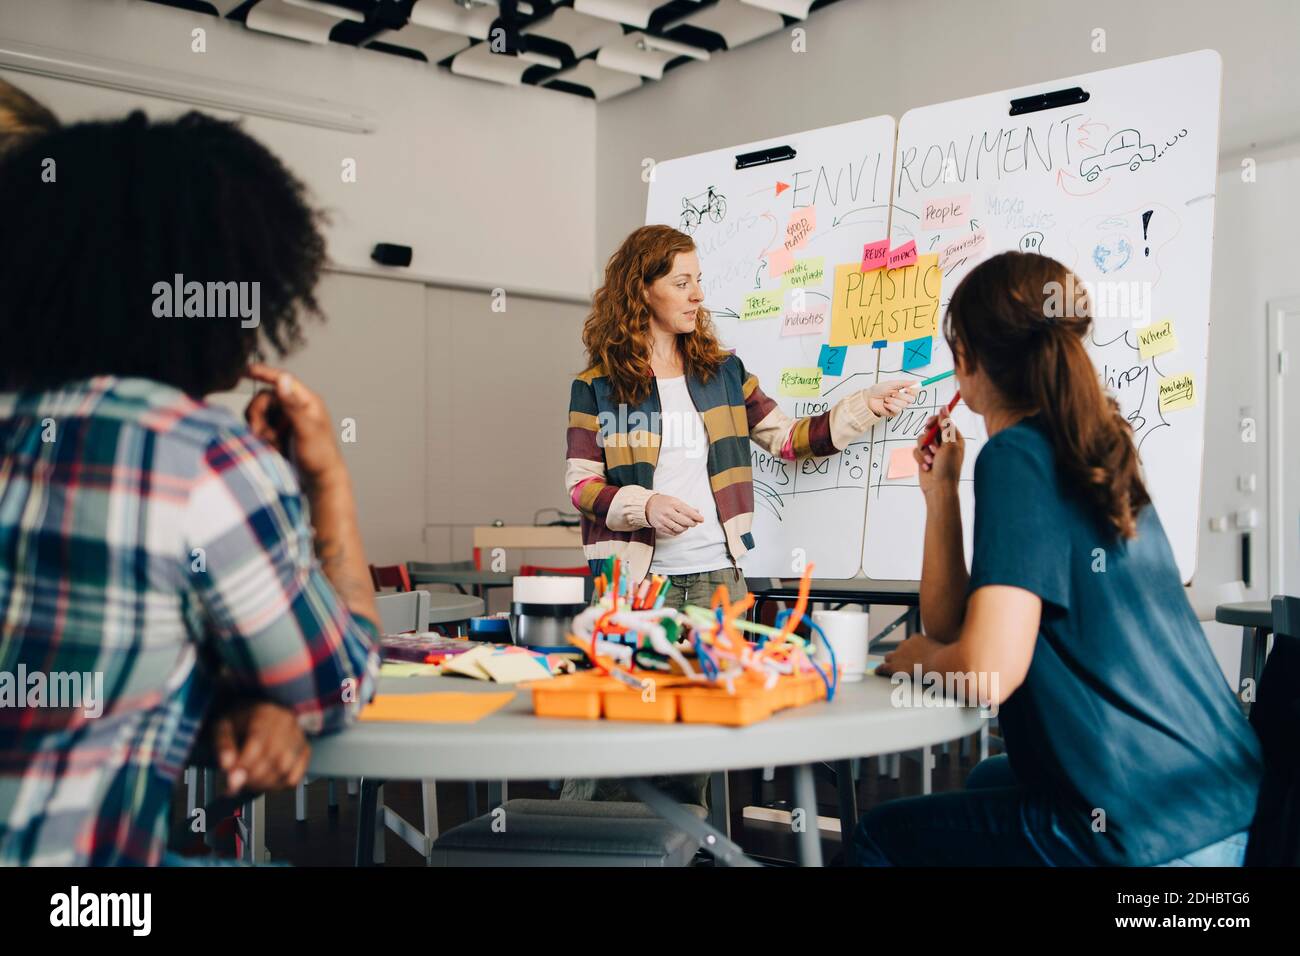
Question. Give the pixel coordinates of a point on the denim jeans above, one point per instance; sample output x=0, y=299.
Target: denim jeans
x=993, y=822
x=684, y=788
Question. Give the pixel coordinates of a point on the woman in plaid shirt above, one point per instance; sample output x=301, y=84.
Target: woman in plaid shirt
x=153, y=547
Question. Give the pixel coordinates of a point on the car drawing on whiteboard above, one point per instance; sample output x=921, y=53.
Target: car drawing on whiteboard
x=1125, y=148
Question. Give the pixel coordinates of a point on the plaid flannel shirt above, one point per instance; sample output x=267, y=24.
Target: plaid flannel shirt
x=151, y=542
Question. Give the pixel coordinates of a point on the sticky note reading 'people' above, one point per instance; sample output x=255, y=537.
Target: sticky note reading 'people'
x=894, y=305
x=1156, y=339
x=901, y=464
x=804, y=273
x=874, y=255
x=831, y=359
x=1177, y=391
x=806, y=321
x=762, y=305
x=949, y=213
x=916, y=353
x=801, y=382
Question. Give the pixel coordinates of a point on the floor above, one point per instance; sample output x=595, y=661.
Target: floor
x=327, y=837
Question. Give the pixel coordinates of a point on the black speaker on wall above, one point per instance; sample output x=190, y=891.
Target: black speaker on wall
x=387, y=254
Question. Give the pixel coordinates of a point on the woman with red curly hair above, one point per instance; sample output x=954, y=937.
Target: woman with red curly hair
x=661, y=421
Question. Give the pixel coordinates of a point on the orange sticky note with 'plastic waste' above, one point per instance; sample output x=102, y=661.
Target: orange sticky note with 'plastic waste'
x=440, y=707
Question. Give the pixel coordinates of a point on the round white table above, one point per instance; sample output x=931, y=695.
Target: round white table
x=867, y=718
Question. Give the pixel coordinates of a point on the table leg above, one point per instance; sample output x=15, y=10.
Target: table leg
x=719, y=802
x=805, y=798
x=366, y=809
x=1249, y=637
x=715, y=842
x=848, y=793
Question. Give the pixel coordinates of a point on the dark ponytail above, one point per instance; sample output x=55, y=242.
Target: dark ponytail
x=1022, y=318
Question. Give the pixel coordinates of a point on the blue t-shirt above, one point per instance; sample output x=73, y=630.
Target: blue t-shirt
x=1124, y=709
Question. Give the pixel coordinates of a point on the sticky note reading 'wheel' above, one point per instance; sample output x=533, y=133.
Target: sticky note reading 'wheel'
x=1156, y=339
x=901, y=464
x=801, y=382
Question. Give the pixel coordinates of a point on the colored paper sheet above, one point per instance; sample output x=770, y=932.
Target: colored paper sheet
x=407, y=669
x=972, y=245
x=947, y=213
x=904, y=255
x=897, y=305
x=440, y=707
x=469, y=664
x=875, y=255
x=800, y=228
x=804, y=273
x=1156, y=339
x=762, y=305
x=916, y=353
x=779, y=261
x=801, y=382
x=901, y=464
x=1177, y=391
x=807, y=321
x=831, y=359
x=879, y=343
x=512, y=668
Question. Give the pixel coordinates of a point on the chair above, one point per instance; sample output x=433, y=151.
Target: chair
x=1275, y=831
x=405, y=612
x=390, y=576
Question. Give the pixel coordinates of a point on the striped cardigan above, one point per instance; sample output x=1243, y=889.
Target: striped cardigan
x=612, y=452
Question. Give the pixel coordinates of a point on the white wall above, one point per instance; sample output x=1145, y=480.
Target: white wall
x=489, y=184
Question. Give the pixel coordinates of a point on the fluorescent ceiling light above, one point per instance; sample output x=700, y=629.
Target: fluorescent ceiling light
x=188, y=88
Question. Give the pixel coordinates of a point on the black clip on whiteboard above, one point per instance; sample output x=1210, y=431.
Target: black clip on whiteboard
x=774, y=154
x=1048, y=101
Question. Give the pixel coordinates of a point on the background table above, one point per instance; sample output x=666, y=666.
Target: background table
x=512, y=743
x=447, y=608
x=1255, y=618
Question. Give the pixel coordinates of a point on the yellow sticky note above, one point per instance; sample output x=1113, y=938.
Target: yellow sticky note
x=512, y=668
x=801, y=382
x=762, y=305
x=468, y=664
x=896, y=305
x=408, y=669
x=1177, y=391
x=804, y=273
x=436, y=708
x=1156, y=339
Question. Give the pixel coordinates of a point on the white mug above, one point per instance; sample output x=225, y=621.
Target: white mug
x=848, y=635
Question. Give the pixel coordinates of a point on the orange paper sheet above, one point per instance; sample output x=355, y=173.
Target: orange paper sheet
x=440, y=707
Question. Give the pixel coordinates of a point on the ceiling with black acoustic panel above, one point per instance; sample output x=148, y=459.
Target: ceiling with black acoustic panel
x=593, y=48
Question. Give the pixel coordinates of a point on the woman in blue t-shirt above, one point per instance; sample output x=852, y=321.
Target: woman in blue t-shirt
x=1125, y=745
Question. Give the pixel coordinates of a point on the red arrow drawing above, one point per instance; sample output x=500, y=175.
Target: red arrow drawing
x=781, y=187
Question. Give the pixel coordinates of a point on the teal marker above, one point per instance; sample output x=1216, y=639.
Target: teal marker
x=938, y=378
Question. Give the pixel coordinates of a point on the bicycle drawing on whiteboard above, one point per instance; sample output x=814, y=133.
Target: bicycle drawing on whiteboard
x=712, y=204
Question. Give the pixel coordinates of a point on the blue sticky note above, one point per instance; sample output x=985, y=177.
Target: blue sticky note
x=916, y=353
x=879, y=343
x=831, y=359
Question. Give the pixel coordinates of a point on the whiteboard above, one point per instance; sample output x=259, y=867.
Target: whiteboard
x=814, y=509
x=1073, y=182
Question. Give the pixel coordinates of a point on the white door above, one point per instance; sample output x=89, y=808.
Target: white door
x=1284, y=445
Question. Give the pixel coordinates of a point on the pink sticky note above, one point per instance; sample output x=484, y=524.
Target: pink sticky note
x=970, y=246
x=904, y=255
x=807, y=321
x=874, y=255
x=947, y=213
x=901, y=463
x=800, y=229
x=779, y=261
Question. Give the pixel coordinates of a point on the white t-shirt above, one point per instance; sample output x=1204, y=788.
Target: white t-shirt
x=683, y=472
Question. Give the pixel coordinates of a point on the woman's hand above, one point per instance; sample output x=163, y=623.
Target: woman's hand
x=915, y=650
x=670, y=516
x=290, y=410
x=887, y=399
x=940, y=463
x=260, y=747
